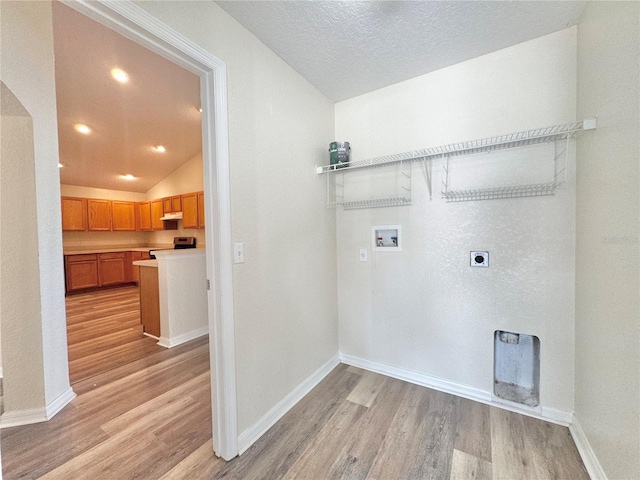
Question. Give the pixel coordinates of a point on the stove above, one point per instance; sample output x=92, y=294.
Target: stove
x=179, y=243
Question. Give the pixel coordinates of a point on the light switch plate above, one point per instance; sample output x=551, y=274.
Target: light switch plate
x=363, y=254
x=238, y=253
x=479, y=259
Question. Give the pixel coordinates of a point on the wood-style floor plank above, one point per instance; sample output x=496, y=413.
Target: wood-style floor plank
x=468, y=467
x=473, y=429
x=150, y=418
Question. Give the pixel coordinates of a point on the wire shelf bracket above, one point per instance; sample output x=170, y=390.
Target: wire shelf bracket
x=445, y=152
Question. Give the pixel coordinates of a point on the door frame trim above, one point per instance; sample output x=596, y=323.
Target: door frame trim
x=137, y=24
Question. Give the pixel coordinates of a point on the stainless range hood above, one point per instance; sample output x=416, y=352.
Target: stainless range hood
x=172, y=216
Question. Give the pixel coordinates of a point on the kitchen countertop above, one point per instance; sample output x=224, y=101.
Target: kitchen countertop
x=137, y=248
x=146, y=263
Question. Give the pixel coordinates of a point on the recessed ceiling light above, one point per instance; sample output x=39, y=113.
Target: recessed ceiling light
x=120, y=75
x=128, y=176
x=60, y=165
x=159, y=148
x=80, y=127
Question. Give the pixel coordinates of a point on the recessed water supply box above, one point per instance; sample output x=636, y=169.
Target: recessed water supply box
x=516, y=368
x=387, y=238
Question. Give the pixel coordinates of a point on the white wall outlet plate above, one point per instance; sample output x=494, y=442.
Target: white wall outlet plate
x=479, y=259
x=238, y=253
x=363, y=254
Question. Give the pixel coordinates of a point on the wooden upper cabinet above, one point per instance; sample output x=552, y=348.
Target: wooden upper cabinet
x=172, y=204
x=124, y=216
x=176, y=203
x=166, y=205
x=74, y=214
x=190, y=210
x=156, y=214
x=99, y=214
x=144, y=216
x=200, y=209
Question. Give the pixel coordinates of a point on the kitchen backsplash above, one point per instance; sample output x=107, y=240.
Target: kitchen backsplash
x=129, y=239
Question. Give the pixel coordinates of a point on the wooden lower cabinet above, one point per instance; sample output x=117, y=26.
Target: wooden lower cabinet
x=112, y=268
x=149, y=301
x=101, y=269
x=135, y=269
x=81, y=271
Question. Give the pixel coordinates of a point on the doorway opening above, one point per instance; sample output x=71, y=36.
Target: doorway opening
x=136, y=24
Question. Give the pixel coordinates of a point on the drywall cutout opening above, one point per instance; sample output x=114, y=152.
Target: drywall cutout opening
x=516, y=368
x=387, y=238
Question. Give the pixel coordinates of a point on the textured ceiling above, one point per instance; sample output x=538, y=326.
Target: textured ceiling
x=347, y=48
x=157, y=106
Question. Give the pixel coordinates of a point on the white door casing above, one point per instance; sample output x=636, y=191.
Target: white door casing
x=138, y=25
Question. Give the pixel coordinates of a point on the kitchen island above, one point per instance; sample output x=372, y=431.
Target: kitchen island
x=182, y=294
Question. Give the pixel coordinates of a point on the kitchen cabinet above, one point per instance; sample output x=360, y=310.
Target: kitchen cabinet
x=124, y=216
x=150, y=301
x=144, y=216
x=172, y=204
x=99, y=214
x=156, y=214
x=135, y=269
x=74, y=214
x=81, y=271
x=112, y=268
x=190, y=210
x=94, y=270
x=200, y=209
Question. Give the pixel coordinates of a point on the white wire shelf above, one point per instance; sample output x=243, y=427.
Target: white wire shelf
x=516, y=191
x=372, y=203
x=511, y=140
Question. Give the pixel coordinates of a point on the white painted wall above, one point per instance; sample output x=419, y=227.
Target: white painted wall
x=607, y=380
x=185, y=179
x=279, y=128
x=26, y=55
x=182, y=277
x=425, y=309
x=22, y=362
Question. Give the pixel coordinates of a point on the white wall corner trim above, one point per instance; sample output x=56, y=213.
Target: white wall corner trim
x=252, y=434
x=185, y=337
x=586, y=452
x=18, y=418
x=60, y=402
x=465, y=391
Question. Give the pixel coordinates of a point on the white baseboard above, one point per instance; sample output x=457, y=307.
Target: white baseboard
x=18, y=418
x=586, y=452
x=60, y=402
x=249, y=436
x=465, y=391
x=184, y=338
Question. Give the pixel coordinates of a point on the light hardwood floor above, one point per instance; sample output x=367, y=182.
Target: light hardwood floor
x=104, y=332
x=150, y=418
